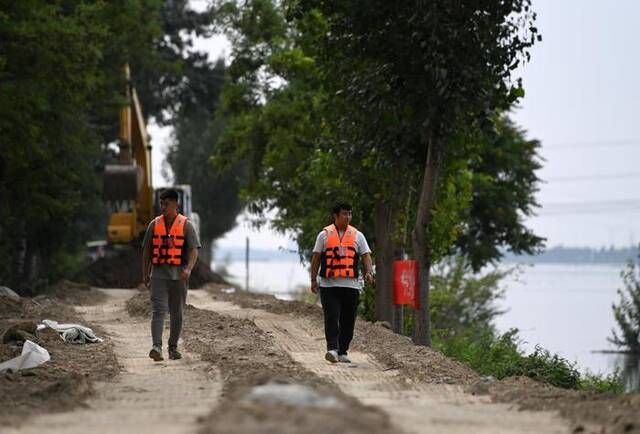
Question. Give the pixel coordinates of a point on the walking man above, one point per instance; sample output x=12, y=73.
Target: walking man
x=337, y=255
x=170, y=251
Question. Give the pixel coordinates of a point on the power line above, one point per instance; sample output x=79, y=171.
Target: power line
x=598, y=144
x=593, y=177
x=594, y=207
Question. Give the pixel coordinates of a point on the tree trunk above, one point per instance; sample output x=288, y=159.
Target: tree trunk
x=204, y=254
x=384, y=259
x=421, y=244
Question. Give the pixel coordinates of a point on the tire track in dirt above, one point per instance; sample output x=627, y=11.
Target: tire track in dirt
x=412, y=407
x=146, y=397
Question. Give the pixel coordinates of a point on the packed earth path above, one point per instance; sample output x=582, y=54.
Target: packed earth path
x=412, y=407
x=175, y=396
x=146, y=397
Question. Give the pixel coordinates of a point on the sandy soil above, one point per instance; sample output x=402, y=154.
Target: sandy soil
x=248, y=357
x=145, y=397
x=586, y=411
x=413, y=407
x=234, y=343
x=66, y=380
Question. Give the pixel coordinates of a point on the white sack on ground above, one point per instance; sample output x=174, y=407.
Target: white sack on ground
x=32, y=355
x=72, y=333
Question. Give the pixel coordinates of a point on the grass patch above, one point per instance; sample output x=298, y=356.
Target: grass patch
x=500, y=356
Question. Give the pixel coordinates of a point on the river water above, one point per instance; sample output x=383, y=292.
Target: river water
x=563, y=308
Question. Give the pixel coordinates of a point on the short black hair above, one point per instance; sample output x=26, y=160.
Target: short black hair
x=341, y=206
x=169, y=193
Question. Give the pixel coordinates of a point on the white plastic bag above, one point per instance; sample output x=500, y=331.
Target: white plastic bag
x=32, y=355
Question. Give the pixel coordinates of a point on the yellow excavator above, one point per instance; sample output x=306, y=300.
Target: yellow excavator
x=127, y=187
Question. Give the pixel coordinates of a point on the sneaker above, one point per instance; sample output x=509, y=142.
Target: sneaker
x=342, y=358
x=174, y=354
x=156, y=354
x=331, y=356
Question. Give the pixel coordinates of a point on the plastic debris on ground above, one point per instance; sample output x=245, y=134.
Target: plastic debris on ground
x=72, y=333
x=32, y=355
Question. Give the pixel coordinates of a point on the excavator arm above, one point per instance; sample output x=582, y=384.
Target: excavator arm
x=128, y=190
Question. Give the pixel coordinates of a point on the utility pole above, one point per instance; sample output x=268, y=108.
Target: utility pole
x=246, y=266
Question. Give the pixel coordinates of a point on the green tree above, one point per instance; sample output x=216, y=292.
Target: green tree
x=50, y=60
x=60, y=92
x=445, y=67
x=309, y=142
x=197, y=129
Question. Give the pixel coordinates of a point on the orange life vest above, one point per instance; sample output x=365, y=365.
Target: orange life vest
x=167, y=248
x=340, y=257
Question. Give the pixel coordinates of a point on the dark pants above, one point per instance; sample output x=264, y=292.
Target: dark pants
x=166, y=295
x=340, y=306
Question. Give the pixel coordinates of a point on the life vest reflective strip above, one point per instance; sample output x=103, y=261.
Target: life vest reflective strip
x=340, y=257
x=167, y=247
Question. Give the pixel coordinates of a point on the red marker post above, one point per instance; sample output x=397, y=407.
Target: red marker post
x=405, y=283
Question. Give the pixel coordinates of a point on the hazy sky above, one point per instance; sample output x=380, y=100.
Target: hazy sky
x=582, y=103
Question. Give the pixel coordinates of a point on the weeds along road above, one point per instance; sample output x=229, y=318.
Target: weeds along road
x=229, y=350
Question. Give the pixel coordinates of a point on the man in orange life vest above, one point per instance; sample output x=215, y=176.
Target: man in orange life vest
x=170, y=251
x=337, y=255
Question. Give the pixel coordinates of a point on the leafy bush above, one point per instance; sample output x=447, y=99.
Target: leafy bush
x=611, y=383
x=489, y=353
x=627, y=311
x=462, y=311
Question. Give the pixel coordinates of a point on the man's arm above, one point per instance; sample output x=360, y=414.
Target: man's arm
x=186, y=271
x=315, y=265
x=146, y=266
x=368, y=268
x=146, y=256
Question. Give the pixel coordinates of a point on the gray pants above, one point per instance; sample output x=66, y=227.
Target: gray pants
x=168, y=295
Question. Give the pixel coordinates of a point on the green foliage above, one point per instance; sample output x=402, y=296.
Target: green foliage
x=504, y=183
x=366, y=308
x=462, y=311
x=197, y=130
x=308, y=144
x=47, y=84
x=489, y=353
x=611, y=383
x=61, y=87
x=461, y=301
x=627, y=311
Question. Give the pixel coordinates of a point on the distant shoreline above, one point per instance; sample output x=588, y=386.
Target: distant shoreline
x=554, y=255
x=577, y=256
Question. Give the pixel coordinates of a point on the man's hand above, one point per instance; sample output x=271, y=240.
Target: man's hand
x=314, y=286
x=146, y=280
x=368, y=277
x=185, y=273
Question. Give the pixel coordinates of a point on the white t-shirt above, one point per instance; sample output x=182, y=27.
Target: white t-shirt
x=362, y=248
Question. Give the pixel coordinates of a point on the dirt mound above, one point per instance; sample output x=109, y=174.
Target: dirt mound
x=76, y=293
x=589, y=412
x=122, y=269
x=64, y=381
x=139, y=304
x=247, y=357
x=390, y=349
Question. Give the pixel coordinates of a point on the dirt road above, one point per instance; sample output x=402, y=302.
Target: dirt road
x=175, y=396
x=414, y=408
x=146, y=397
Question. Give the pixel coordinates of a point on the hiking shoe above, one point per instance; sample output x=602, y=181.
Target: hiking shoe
x=156, y=354
x=174, y=354
x=331, y=356
x=342, y=358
